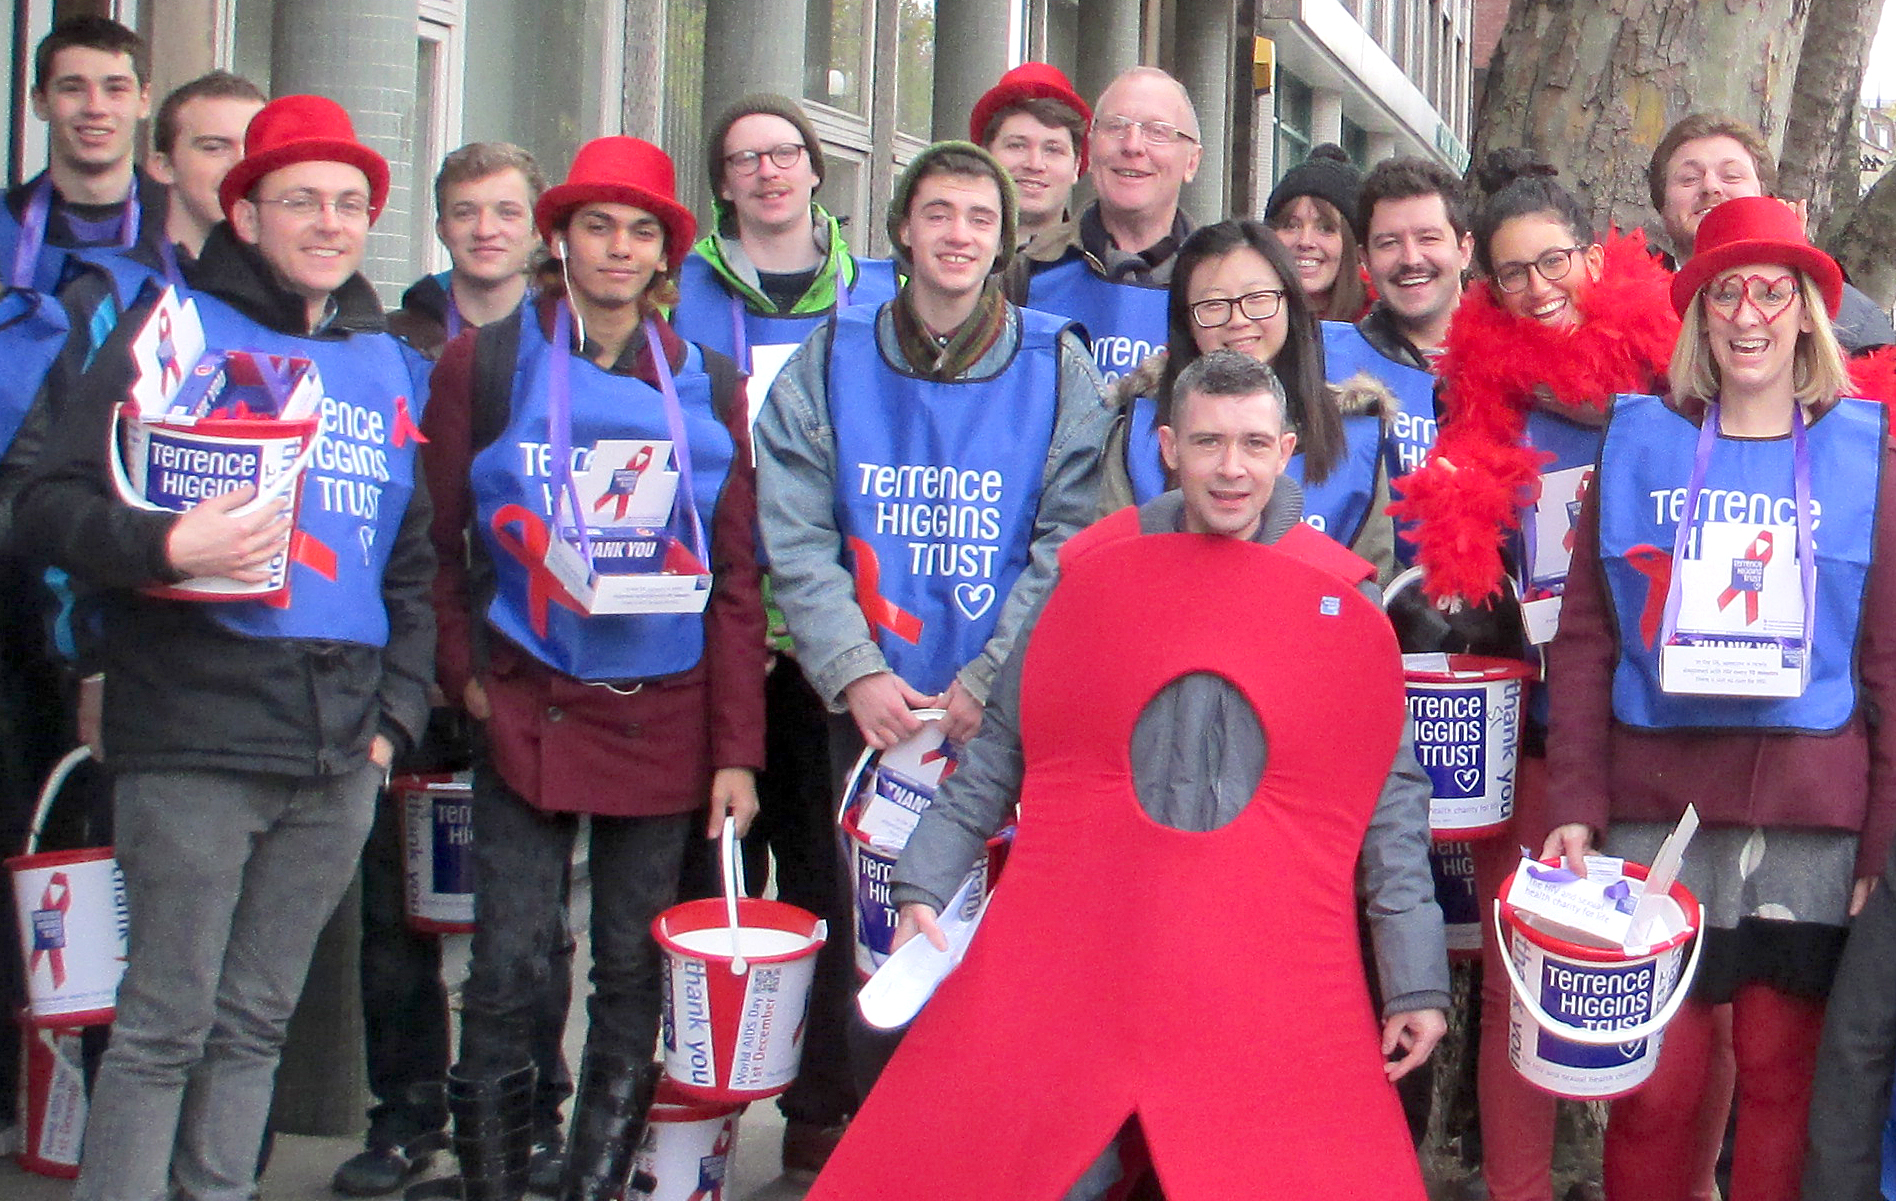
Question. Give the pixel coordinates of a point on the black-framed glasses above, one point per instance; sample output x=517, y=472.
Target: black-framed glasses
x=746, y=162
x=1158, y=133
x=1258, y=306
x=1551, y=266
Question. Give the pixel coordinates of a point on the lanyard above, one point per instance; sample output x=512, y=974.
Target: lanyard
x=560, y=432
x=1800, y=483
x=742, y=343
x=451, y=320
x=39, y=204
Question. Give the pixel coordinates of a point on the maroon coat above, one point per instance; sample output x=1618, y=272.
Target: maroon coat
x=1601, y=771
x=566, y=745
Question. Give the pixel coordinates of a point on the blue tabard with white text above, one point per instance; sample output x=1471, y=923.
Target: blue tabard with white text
x=1411, y=430
x=1644, y=469
x=705, y=312
x=937, y=485
x=358, y=486
x=514, y=470
x=1124, y=322
x=47, y=270
x=1339, y=506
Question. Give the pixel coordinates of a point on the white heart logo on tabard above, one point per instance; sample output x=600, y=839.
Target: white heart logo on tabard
x=974, y=599
x=1467, y=778
x=366, y=536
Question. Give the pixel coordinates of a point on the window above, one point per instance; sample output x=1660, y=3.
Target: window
x=836, y=54
x=915, y=68
x=1293, y=122
x=433, y=130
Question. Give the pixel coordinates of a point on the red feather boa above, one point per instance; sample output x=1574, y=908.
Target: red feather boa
x=1494, y=368
x=1873, y=377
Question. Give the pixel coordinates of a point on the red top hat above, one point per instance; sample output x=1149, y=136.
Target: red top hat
x=1029, y=81
x=302, y=129
x=1754, y=229
x=622, y=170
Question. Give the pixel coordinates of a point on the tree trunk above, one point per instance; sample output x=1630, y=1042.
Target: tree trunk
x=1821, y=129
x=1592, y=85
x=1863, y=246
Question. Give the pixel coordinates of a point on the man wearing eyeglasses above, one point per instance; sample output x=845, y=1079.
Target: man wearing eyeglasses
x=1111, y=276
x=248, y=739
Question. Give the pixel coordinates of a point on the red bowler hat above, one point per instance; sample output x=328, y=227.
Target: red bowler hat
x=1029, y=81
x=302, y=129
x=622, y=170
x=1754, y=229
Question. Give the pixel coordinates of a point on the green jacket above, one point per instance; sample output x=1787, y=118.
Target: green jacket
x=727, y=258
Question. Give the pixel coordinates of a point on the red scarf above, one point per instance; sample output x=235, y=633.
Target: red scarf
x=1494, y=369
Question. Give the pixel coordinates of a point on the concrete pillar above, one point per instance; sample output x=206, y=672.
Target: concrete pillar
x=750, y=46
x=1326, y=116
x=642, y=95
x=362, y=56
x=184, y=49
x=1108, y=43
x=970, y=54
x=1381, y=146
x=1206, y=58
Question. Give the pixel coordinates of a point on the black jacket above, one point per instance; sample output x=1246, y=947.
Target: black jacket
x=183, y=692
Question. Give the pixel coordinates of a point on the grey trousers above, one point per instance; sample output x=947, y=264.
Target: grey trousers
x=229, y=878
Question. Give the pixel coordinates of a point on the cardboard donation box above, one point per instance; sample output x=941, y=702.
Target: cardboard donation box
x=200, y=423
x=623, y=554
x=1743, y=615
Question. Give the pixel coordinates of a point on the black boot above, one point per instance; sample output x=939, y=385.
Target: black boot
x=608, y=1120
x=493, y=1138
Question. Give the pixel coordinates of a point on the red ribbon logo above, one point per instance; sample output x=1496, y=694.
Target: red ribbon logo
x=625, y=482
x=879, y=610
x=1573, y=509
x=49, y=928
x=1656, y=566
x=405, y=427
x=529, y=548
x=1759, y=552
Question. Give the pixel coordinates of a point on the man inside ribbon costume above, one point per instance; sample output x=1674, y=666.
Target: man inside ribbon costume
x=1174, y=939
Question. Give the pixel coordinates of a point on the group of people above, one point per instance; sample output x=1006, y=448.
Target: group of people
x=935, y=483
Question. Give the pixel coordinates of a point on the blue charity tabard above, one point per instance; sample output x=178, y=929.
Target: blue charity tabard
x=937, y=485
x=1339, y=506
x=1645, y=467
x=359, y=482
x=1123, y=323
x=710, y=315
x=1411, y=431
x=511, y=480
x=32, y=331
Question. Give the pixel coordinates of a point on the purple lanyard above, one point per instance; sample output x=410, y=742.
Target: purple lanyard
x=168, y=255
x=742, y=343
x=1800, y=484
x=452, y=318
x=33, y=229
x=560, y=431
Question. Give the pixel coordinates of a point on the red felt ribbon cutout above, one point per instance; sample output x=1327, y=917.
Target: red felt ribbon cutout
x=878, y=609
x=529, y=548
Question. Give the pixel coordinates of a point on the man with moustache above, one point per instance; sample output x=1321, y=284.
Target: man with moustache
x=1034, y=124
x=1111, y=275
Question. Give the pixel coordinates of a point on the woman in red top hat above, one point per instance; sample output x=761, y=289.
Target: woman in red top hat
x=1712, y=652
x=586, y=421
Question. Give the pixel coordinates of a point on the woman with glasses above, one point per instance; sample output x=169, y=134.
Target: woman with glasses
x=1726, y=643
x=1528, y=375
x=1312, y=209
x=1234, y=288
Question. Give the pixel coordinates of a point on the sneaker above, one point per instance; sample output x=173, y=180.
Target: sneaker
x=379, y=1169
x=807, y=1147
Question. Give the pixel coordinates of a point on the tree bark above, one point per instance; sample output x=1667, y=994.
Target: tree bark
x=1821, y=129
x=1592, y=85
x=1863, y=247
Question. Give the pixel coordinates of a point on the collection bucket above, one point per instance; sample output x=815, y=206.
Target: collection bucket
x=736, y=990
x=685, y=1153
x=71, y=906
x=437, y=852
x=1453, y=866
x=900, y=783
x=53, y=1096
x=1467, y=712
x=1586, y=1022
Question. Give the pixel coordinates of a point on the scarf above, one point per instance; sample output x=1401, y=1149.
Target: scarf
x=954, y=358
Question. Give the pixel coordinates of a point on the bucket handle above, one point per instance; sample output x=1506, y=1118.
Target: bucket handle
x=1598, y=1038
x=271, y=490
x=731, y=856
x=50, y=791
x=857, y=772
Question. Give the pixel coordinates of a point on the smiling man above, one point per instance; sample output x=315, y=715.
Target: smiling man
x=1034, y=124
x=196, y=138
x=247, y=739
x=1111, y=273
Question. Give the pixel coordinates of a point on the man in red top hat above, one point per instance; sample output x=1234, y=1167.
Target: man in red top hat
x=248, y=737
x=1034, y=124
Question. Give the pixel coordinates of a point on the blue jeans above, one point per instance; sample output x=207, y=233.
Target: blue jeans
x=521, y=855
x=229, y=878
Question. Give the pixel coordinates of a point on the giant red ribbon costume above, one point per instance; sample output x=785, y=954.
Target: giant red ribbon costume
x=1208, y=984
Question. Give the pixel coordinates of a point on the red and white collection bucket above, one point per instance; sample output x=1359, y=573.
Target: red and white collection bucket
x=1586, y=1022
x=437, y=851
x=1467, y=711
x=52, y=1099
x=687, y=1149
x=736, y=991
x=72, y=919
